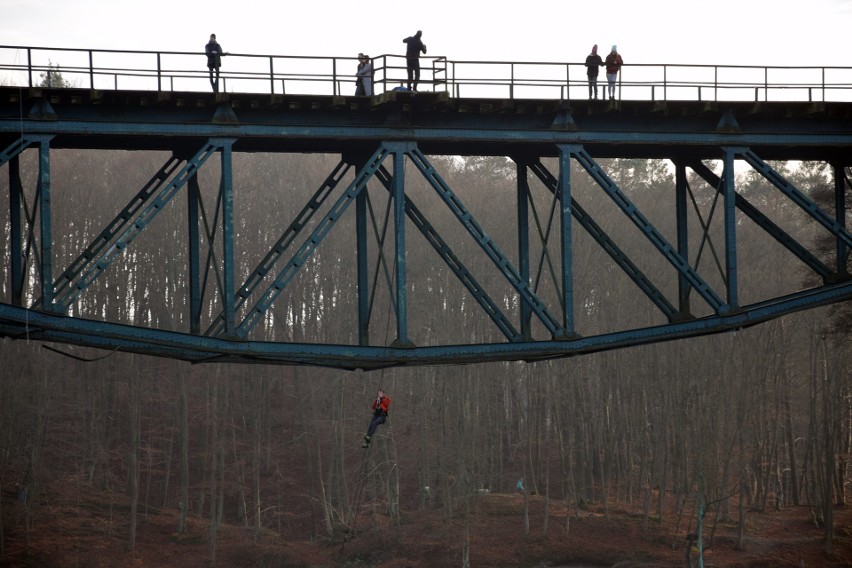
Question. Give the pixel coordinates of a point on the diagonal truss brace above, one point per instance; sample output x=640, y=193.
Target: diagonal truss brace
x=654, y=236
x=160, y=199
x=453, y=262
x=609, y=246
x=282, y=244
x=21, y=144
x=258, y=311
x=63, y=283
x=795, y=195
x=488, y=246
x=765, y=223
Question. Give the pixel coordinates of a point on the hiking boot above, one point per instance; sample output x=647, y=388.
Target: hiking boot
x=366, y=443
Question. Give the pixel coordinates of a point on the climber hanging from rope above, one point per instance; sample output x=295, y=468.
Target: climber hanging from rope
x=380, y=414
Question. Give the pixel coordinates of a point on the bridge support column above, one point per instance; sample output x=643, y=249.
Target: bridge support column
x=840, y=215
x=399, y=152
x=45, y=217
x=567, y=246
x=524, y=246
x=226, y=189
x=194, y=253
x=730, y=232
x=16, y=248
x=683, y=286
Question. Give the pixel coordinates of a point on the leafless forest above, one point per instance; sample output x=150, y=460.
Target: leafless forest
x=752, y=420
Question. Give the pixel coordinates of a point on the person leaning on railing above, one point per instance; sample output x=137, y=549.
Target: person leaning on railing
x=214, y=60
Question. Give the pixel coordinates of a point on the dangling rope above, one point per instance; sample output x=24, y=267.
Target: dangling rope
x=362, y=471
x=78, y=358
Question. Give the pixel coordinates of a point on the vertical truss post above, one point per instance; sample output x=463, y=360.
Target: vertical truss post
x=363, y=275
x=226, y=188
x=682, y=235
x=45, y=218
x=195, y=295
x=730, y=231
x=524, y=246
x=840, y=215
x=564, y=184
x=16, y=247
x=402, y=339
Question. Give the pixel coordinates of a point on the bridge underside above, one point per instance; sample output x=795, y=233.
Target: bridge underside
x=376, y=138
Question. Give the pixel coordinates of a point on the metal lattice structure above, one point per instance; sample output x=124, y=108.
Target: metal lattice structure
x=376, y=138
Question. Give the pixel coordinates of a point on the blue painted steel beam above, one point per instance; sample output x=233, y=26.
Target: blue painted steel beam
x=524, y=245
x=401, y=282
x=46, y=225
x=226, y=191
x=832, y=225
x=276, y=252
x=840, y=214
x=566, y=242
x=729, y=192
x=610, y=247
x=38, y=325
x=146, y=215
x=761, y=220
x=654, y=236
x=17, y=274
x=482, y=239
x=682, y=222
x=194, y=253
x=259, y=309
x=454, y=263
x=62, y=285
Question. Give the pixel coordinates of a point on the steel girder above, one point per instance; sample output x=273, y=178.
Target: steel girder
x=227, y=338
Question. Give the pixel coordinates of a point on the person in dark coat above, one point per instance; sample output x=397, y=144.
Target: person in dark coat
x=214, y=60
x=412, y=58
x=593, y=65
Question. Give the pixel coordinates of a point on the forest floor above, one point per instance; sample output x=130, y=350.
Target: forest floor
x=78, y=526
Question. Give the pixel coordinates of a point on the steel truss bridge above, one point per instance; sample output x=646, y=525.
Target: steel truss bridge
x=376, y=137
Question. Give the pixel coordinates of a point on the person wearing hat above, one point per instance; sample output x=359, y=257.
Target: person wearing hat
x=593, y=65
x=364, y=77
x=613, y=64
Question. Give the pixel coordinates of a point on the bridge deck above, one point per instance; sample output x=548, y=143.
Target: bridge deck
x=146, y=120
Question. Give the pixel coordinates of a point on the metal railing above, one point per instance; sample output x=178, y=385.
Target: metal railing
x=315, y=75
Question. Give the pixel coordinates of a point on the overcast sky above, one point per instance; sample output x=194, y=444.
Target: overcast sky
x=746, y=32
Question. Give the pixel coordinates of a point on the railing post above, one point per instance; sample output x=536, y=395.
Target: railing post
x=30, y=66
x=766, y=84
x=665, y=83
x=160, y=74
x=91, y=71
x=271, y=76
x=715, y=83
x=511, y=81
x=334, y=85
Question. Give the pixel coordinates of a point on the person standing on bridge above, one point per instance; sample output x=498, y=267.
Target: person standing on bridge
x=593, y=66
x=380, y=415
x=214, y=60
x=412, y=59
x=364, y=77
x=613, y=65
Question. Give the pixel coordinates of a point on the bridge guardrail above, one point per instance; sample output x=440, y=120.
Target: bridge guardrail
x=317, y=75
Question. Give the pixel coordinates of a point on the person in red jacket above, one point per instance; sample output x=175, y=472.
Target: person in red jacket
x=380, y=414
x=613, y=66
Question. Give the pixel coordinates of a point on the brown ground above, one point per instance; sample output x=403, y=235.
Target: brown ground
x=80, y=527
